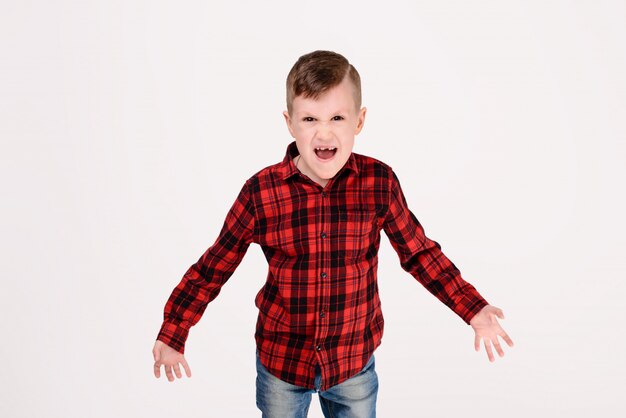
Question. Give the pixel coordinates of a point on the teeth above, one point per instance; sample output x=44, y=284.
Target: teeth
x=322, y=148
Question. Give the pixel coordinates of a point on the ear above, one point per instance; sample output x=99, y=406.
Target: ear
x=361, y=120
x=288, y=120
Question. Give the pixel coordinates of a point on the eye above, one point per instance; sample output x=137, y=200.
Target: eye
x=308, y=119
x=338, y=117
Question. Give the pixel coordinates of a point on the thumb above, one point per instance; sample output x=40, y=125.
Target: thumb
x=500, y=314
x=156, y=354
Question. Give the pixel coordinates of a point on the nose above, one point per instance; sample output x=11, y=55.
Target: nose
x=324, y=130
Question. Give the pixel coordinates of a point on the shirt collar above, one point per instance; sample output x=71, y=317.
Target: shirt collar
x=287, y=168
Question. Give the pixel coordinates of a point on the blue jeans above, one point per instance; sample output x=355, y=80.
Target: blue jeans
x=353, y=398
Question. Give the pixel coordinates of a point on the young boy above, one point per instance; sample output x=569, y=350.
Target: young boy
x=317, y=216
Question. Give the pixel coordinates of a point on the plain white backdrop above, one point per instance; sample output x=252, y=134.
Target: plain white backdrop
x=128, y=127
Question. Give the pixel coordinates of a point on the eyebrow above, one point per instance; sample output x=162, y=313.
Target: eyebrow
x=308, y=113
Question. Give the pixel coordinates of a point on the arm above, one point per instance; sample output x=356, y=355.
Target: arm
x=424, y=259
x=204, y=279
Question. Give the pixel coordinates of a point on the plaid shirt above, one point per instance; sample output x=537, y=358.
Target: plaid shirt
x=320, y=303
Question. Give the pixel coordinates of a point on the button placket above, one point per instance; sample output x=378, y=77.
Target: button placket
x=323, y=284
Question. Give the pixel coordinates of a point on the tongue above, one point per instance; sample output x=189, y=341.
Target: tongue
x=325, y=154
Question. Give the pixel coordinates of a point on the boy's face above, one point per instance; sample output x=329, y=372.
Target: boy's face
x=329, y=122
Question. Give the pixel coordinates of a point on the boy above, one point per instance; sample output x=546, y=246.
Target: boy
x=317, y=216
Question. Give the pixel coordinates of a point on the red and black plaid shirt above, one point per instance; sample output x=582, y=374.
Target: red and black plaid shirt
x=320, y=302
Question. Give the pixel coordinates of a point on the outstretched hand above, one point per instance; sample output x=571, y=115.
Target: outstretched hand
x=171, y=359
x=487, y=328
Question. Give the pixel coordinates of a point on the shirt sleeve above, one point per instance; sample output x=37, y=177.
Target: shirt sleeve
x=204, y=279
x=424, y=260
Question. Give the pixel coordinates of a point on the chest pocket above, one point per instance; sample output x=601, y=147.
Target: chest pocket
x=356, y=230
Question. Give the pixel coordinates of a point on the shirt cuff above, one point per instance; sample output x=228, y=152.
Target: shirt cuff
x=173, y=335
x=470, y=306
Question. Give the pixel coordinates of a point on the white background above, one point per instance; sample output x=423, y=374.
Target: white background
x=127, y=129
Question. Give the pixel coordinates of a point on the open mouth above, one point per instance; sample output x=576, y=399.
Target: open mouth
x=325, y=153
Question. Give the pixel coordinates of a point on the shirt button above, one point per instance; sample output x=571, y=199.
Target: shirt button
x=318, y=347
x=323, y=275
x=323, y=194
x=323, y=235
x=322, y=314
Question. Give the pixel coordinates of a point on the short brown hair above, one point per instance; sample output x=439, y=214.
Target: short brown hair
x=318, y=71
